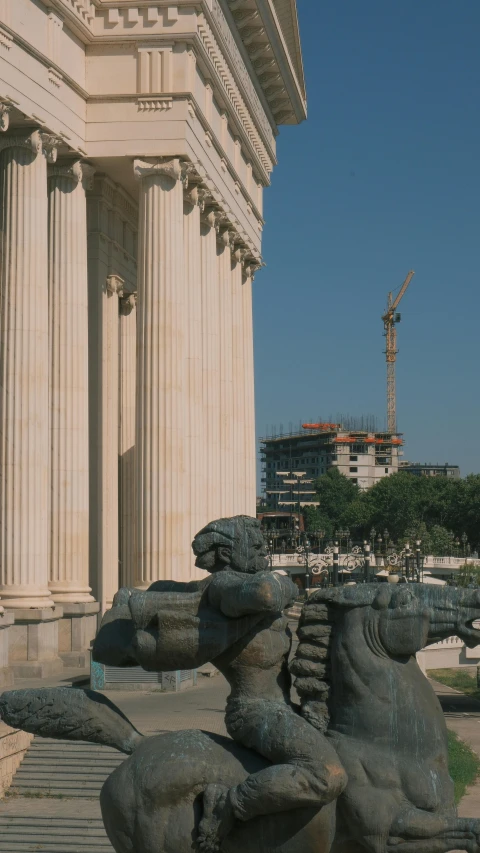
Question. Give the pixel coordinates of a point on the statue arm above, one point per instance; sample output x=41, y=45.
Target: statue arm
x=237, y=594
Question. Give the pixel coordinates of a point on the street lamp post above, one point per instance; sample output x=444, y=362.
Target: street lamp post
x=464, y=543
x=407, y=561
x=419, y=559
x=335, y=564
x=366, y=570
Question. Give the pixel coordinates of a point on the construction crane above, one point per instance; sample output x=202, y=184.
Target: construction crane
x=390, y=319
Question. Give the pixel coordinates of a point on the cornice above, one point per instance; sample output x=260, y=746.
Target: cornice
x=261, y=35
x=225, y=30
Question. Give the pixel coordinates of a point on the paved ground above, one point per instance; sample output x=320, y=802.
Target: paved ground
x=463, y=717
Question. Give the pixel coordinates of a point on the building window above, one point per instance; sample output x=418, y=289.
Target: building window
x=386, y=470
x=353, y=470
x=353, y=458
x=354, y=480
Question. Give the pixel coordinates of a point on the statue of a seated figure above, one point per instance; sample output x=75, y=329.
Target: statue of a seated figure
x=233, y=618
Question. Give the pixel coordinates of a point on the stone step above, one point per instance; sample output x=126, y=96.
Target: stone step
x=22, y=834
x=44, y=846
x=53, y=804
x=65, y=768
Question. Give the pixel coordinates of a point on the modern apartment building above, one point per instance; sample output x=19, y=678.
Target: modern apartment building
x=364, y=457
x=427, y=469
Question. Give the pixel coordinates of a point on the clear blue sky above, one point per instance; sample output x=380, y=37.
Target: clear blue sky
x=383, y=177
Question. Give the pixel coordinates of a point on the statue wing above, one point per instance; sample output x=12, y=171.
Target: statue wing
x=69, y=714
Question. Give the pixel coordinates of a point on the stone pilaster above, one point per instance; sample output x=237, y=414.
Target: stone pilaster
x=195, y=462
x=126, y=439
x=24, y=371
x=162, y=542
x=68, y=344
x=210, y=324
x=226, y=484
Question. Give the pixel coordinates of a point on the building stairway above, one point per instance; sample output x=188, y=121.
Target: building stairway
x=52, y=805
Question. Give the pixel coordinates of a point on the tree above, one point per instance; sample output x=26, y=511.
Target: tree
x=315, y=519
x=468, y=574
x=397, y=502
x=335, y=492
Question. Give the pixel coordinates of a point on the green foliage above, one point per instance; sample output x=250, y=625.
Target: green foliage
x=316, y=520
x=467, y=575
x=434, y=509
x=463, y=765
x=336, y=493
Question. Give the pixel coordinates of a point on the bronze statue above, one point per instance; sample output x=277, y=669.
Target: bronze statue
x=362, y=765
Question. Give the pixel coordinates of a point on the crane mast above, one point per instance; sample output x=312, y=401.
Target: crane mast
x=390, y=318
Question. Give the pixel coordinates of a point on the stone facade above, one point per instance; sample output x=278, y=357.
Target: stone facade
x=136, y=140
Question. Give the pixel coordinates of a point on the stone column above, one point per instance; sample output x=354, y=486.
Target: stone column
x=195, y=461
x=109, y=545
x=250, y=445
x=210, y=324
x=162, y=542
x=126, y=439
x=24, y=373
x=239, y=379
x=226, y=450
x=68, y=344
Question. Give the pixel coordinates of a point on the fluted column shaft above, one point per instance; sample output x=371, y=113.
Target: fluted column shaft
x=126, y=440
x=195, y=445
x=210, y=322
x=68, y=345
x=249, y=387
x=24, y=374
x=226, y=450
x=163, y=548
x=109, y=553
x=239, y=394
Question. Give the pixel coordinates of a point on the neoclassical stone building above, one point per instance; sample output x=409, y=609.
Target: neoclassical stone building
x=136, y=140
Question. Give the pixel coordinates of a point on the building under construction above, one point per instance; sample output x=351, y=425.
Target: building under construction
x=365, y=457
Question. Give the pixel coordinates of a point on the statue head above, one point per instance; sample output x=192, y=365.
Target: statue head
x=231, y=543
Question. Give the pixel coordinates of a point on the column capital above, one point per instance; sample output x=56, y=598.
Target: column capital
x=212, y=218
x=195, y=196
x=5, y=109
x=251, y=266
x=171, y=167
x=227, y=238
x=240, y=253
x=115, y=284
x=30, y=139
x=128, y=302
x=50, y=144
x=77, y=171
